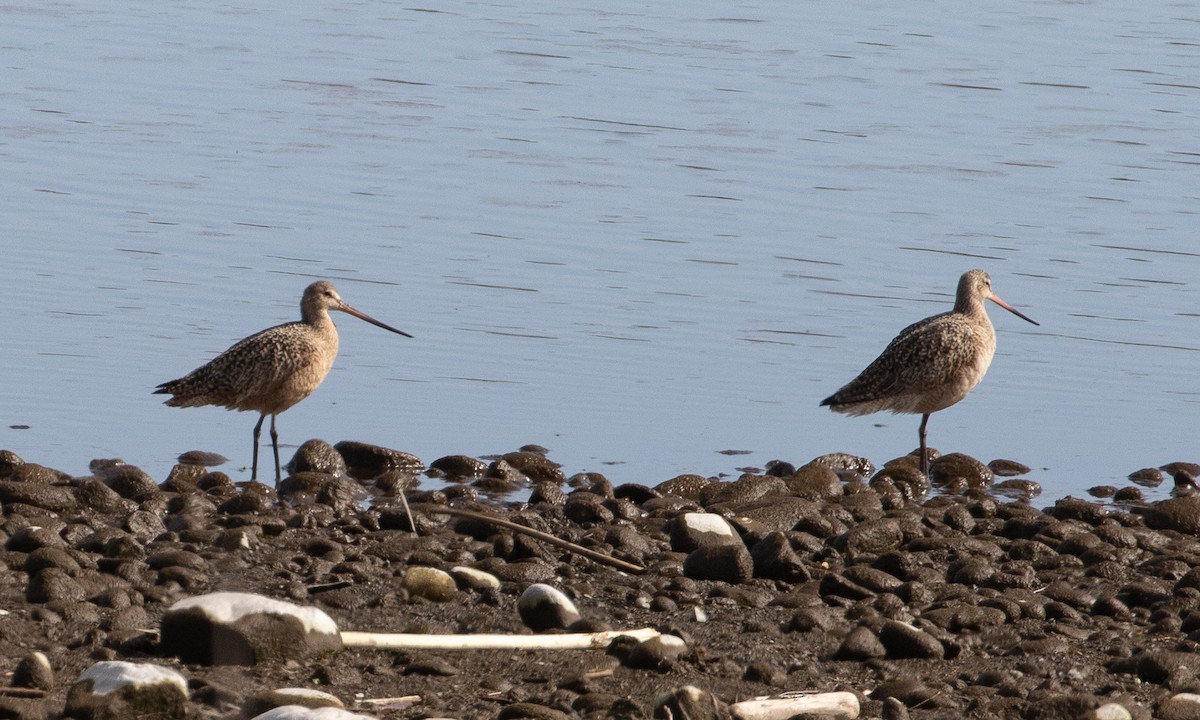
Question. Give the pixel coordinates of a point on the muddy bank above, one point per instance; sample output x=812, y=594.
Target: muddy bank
x=926, y=599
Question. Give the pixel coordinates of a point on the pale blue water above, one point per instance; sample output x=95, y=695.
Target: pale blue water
x=637, y=234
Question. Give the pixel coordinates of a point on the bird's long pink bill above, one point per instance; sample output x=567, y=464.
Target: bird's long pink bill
x=1013, y=310
x=363, y=316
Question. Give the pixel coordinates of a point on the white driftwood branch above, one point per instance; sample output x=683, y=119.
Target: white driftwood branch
x=832, y=704
x=567, y=641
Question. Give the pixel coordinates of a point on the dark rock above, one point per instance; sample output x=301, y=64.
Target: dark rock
x=9, y=461
x=775, y=559
x=905, y=641
x=460, y=467
x=860, y=644
x=727, y=563
x=1180, y=514
x=535, y=466
x=94, y=493
x=1070, y=508
x=688, y=487
x=34, y=473
x=432, y=666
x=957, y=466
x=836, y=585
x=587, y=508
x=747, y=488
x=55, y=498
x=636, y=493
x=815, y=481
x=52, y=584
x=530, y=711
x=872, y=538
x=369, y=461
x=317, y=456
x=130, y=482
x=1008, y=468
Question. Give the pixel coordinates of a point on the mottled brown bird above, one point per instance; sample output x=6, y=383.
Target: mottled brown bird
x=931, y=364
x=271, y=370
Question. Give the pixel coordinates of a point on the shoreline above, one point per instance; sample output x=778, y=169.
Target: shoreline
x=954, y=604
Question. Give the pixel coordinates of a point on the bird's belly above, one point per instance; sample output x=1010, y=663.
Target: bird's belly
x=954, y=389
x=284, y=391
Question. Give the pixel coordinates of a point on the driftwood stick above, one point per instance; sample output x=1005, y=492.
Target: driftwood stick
x=484, y=641
x=545, y=537
x=831, y=704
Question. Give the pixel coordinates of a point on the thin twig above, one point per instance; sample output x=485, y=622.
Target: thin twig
x=545, y=537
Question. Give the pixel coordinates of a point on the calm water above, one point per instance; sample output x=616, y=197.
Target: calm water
x=638, y=234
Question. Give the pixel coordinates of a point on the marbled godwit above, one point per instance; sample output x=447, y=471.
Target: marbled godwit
x=271, y=370
x=931, y=364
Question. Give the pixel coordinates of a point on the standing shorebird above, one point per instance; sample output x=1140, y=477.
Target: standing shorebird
x=272, y=370
x=931, y=364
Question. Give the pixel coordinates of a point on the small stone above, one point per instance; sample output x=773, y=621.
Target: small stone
x=1115, y=711
x=34, y=671
x=656, y=653
x=1008, y=468
x=893, y=709
x=1147, y=477
x=430, y=583
x=230, y=628
x=203, y=458
x=693, y=530
x=115, y=689
x=304, y=697
x=1181, y=706
x=543, y=607
x=468, y=577
x=299, y=712
x=690, y=702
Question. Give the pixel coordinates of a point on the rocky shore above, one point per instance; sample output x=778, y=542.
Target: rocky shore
x=953, y=596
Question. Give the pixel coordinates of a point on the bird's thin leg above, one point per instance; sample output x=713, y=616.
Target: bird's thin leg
x=275, y=447
x=924, y=453
x=257, y=433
